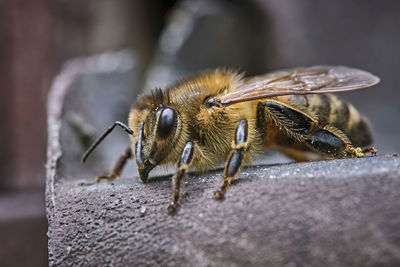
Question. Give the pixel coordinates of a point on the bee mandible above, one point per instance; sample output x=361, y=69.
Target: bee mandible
x=219, y=116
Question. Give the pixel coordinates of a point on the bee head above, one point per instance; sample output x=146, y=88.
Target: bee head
x=156, y=133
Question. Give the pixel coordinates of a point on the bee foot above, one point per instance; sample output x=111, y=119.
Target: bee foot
x=105, y=177
x=219, y=194
x=172, y=207
x=371, y=150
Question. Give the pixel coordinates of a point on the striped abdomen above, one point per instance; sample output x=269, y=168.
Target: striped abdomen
x=332, y=110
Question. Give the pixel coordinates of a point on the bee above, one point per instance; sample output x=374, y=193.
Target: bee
x=219, y=116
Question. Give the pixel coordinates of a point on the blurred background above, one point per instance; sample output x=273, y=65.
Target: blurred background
x=168, y=40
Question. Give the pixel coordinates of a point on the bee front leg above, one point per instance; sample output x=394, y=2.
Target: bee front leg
x=118, y=167
x=182, y=166
x=235, y=159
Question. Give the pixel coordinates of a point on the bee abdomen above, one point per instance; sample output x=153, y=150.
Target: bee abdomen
x=334, y=111
x=359, y=132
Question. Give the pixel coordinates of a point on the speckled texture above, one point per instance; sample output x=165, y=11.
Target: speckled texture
x=312, y=214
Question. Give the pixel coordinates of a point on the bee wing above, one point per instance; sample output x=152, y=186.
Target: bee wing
x=300, y=81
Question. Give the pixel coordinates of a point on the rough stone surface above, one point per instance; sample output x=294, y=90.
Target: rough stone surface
x=325, y=213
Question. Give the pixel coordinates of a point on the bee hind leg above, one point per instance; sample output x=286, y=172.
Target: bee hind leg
x=182, y=166
x=118, y=167
x=357, y=152
x=371, y=150
x=235, y=159
x=334, y=143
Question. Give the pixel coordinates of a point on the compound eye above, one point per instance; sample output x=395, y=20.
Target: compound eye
x=166, y=123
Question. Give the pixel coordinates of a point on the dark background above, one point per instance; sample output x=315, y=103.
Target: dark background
x=171, y=39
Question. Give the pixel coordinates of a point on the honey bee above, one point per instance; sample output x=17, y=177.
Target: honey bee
x=219, y=116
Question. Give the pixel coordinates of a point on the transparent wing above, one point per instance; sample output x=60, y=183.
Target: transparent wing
x=300, y=81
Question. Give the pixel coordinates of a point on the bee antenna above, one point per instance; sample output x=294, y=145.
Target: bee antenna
x=109, y=130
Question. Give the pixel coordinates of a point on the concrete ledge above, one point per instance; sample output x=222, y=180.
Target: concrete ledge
x=294, y=214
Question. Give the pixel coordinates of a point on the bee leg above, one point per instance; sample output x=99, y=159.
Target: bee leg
x=299, y=155
x=235, y=159
x=333, y=142
x=371, y=150
x=357, y=152
x=303, y=127
x=118, y=167
x=182, y=166
x=296, y=123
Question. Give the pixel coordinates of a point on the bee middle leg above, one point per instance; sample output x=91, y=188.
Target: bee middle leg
x=182, y=166
x=118, y=167
x=235, y=159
